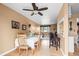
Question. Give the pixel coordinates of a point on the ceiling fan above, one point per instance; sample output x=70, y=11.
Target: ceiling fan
x=36, y=9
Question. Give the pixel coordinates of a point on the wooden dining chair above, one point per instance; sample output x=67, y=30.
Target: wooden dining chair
x=38, y=44
x=22, y=45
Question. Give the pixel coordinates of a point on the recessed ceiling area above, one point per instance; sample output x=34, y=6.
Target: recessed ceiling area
x=49, y=15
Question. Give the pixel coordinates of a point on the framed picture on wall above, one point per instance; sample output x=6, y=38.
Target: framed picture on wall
x=15, y=24
x=24, y=27
x=70, y=23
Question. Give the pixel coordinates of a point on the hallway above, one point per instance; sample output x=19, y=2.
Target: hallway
x=43, y=51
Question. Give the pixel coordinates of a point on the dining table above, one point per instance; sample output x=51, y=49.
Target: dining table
x=30, y=41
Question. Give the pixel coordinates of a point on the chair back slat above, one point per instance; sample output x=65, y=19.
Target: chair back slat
x=21, y=41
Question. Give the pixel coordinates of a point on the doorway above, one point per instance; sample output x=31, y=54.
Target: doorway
x=45, y=29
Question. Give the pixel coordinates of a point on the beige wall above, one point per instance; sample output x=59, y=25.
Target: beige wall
x=74, y=24
x=7, y=34
x=64, y=38
x=53, y=27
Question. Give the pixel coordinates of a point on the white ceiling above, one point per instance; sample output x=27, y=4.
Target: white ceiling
x=49, y=16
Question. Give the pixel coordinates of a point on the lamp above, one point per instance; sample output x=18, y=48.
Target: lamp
x=29, y=27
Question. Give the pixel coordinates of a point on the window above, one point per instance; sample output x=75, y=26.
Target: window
x=45, y=28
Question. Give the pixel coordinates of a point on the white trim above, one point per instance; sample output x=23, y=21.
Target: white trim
x=7, y=52
x=62, y=19
x=62, y=52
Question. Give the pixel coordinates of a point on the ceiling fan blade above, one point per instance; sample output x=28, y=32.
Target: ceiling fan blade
x=27, y=10
x=34, y=6
x=40, y=13
x=42, y=9
x=32, y=14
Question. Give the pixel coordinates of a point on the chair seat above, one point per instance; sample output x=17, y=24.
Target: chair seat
x=23, y=47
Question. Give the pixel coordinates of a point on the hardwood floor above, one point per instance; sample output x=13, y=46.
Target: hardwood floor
x=43, y=51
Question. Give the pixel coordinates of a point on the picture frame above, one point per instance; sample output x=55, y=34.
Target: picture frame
x=29, y=25
x=70, y=25
x=24, y=27
x=15, y=24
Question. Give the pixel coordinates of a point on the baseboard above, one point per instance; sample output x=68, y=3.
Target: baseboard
x=7, y=52
x=62, y=52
